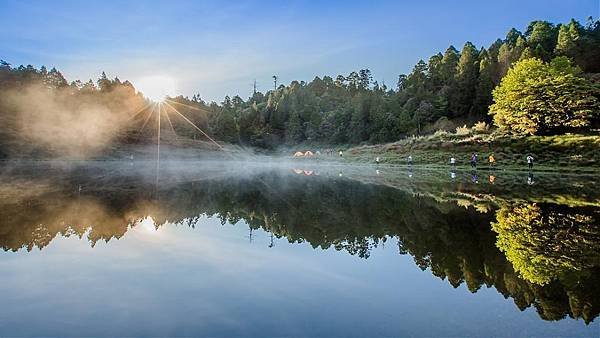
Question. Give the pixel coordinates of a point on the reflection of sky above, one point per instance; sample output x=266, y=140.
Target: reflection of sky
x=211, y=281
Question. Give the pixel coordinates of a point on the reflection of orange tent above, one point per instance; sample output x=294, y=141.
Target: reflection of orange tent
x=298, y=154
x=308, y=153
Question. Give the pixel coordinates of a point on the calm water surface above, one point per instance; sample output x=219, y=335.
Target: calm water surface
x=311, y=250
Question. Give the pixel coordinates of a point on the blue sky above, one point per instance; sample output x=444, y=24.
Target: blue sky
x=219, y=48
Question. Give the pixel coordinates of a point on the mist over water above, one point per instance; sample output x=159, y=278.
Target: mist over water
x=250, y=245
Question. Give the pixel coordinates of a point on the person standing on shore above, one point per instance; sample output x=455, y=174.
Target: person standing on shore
x=530, y=161
x=453, y=162
x=474, y=161
x=410, y=160
x=492, y=161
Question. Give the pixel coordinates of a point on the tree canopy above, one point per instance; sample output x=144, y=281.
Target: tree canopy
x=538, y=97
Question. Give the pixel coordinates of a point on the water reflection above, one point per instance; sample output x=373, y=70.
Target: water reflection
x=547, y=242
x=539, y=247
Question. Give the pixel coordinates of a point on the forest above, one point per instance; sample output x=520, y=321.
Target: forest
x=543, y=81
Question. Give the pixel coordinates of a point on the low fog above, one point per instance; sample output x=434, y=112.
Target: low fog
x=65, y=122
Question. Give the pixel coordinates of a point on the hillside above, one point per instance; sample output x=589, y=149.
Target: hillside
x=550, y=152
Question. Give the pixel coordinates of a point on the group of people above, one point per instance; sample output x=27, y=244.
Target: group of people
x=492, y=161
x=474, y=157
x=474, y=174
x=331, y=152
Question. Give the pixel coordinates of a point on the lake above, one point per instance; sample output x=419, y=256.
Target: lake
x=295, y=249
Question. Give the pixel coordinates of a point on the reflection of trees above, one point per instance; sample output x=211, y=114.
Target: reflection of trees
x=455, y=243
x=466, y=254
x=23, y=227
x=545, y=242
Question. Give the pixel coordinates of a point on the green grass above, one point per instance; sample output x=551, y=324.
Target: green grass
x=580, y=152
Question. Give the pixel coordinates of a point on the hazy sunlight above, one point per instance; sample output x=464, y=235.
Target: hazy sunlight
x=157, y=87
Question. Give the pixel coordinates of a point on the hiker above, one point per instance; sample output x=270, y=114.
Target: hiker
x=492, y=161
x=474, y=161
x=341, y=153
x=410, y=160
x=377, y=159
x=453, y=162
x=530, y=161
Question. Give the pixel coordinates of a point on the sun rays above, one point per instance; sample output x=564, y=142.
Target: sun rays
x=166, y=102
x=164, y=108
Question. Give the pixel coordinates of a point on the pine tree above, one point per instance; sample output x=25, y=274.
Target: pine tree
x=104, y=84
x=485, y=85
x=467, y=72
x=293, y=129
x=541, y=37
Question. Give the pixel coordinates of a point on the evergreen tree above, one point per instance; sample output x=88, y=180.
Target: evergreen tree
x=293, y=129
x=467, y=72
x=568, y=37
x=104, y=84
x=541, y=37
x=485, y=85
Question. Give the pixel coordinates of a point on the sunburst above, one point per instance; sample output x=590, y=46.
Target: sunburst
x=156, y=87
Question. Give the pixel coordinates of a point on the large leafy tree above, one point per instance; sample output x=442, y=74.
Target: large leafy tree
x=536, y=97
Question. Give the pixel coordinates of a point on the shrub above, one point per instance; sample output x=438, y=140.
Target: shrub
x=481, y=127
x=462, y=131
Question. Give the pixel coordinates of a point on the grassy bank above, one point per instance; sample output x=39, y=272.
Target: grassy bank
x=580, y=152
